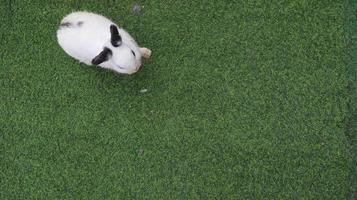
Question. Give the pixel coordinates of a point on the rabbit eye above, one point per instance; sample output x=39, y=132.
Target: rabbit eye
x=133, y=53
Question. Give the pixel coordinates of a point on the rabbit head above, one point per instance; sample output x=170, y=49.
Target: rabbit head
x=119, y=56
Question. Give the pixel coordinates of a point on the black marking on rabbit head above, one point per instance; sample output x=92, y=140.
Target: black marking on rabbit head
x=102, y=56
x=115, y=37
x=132, y=52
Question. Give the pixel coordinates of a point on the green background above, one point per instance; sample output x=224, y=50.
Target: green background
x=245, y=100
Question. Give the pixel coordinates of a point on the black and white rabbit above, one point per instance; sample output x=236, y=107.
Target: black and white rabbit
x=96, y=40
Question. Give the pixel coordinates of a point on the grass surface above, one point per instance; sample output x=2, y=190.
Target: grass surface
x=246, y=100
x=352, y=122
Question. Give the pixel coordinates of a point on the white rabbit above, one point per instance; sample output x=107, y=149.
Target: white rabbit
x=95, y=40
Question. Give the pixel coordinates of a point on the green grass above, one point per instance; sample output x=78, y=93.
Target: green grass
x=352, y=116
x=246, y=100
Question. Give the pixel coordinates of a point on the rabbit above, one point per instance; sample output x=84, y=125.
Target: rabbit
x=95, y=40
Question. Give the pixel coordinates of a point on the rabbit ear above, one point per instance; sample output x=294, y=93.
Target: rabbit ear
x=115, y=36
x=102, y=57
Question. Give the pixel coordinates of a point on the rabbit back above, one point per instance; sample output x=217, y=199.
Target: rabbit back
x=82, y=35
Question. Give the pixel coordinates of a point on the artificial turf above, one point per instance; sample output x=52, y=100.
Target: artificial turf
x=352, y=114
x=245, y=100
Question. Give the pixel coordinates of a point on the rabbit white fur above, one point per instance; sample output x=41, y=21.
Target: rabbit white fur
x=95, y=40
